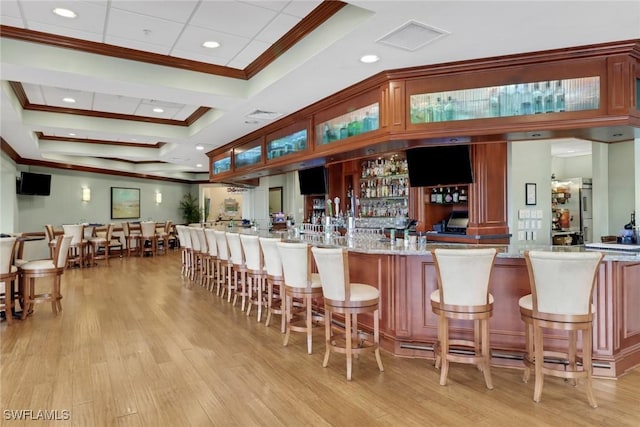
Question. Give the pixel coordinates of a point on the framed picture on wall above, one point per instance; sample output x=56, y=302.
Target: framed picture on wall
x=530, y=194
x=125, y=203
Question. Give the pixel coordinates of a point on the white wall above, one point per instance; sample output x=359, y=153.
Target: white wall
x=623, y=182
x=8, y=200
x=530, y=162
x=65, y=206
x=572, y=167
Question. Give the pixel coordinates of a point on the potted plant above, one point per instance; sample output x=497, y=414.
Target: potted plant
x=190, y=209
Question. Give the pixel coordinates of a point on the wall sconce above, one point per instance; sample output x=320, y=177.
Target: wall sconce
x=158, y=197
x=86, y=194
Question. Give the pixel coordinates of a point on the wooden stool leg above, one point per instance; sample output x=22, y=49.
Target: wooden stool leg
x=528, y=336
x=444, y=349
x=587, y=348
x=539, y=360
x=309, y=320
x=376, y=339
x=269, y=302
x=327, y=336
x=486, y=353
x=348, y=336
x=572, y=354
x=287, y=316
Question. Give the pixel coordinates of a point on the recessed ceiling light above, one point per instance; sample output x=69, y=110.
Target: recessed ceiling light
x=158, y=110
x=369, y=59
x=69, y=100
x=65, y=13
x=72, y=134
x=199, y=165
x=210, y=44
x=199, y=147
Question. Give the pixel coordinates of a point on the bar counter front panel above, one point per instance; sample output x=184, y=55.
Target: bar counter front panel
x=409, y=327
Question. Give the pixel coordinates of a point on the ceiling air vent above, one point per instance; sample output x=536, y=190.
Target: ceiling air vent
x=412, y=36
x=263, y=115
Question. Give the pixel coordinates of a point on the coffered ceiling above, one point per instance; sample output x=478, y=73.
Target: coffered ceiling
x=127, y=86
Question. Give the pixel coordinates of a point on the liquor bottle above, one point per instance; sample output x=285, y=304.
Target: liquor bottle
x=343, y=131
x=434, y=195
x=367, y=123
x=505, y=101
x=449, y=110
x=526, y=100
x=439, y=196
x=548, y=99
x=538, y=102
x=456, y=195
x=494, y=103
x=428, y=111
x=559, y=97
x=448, y=197
x=463, y=195
x=438, y=111
x=325, y=133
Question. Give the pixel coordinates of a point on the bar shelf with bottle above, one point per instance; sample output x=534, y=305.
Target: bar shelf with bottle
x=451, y=195
x=353, y=123
x=384, y=187
x=221, y=165
x=249, y=154
x=291, y=143
x=522, y=99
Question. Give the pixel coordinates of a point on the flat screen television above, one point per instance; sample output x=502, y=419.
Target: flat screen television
x=313, y=180
x=441, y=165
x=33, y=184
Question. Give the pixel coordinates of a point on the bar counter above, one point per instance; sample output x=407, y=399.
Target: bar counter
x=406, y=277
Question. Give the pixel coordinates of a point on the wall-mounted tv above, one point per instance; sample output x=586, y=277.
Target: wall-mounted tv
x=33, y=184
x=441, y=165
x=313, y=180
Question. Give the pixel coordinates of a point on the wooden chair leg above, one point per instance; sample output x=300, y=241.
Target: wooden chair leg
x=287, y=314
x=376, y=339
x=529, y=356
x=587, y=348
x=348, y=336
x=328, y=336
x=486, y=354
x=444, y=350
x=539, y=360
x=309, y=322
x=572, y=354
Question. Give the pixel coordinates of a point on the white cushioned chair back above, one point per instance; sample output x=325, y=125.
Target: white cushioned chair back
x=62, y=250
x=271, y=255
x=235, y=248
x=7, y=248
x=148, y=228
x=50, y=232
x=295, y=263
x=464, y=275
x=211, y=241
x=125, y=229
x=76, y=231
x=333, y=269
x=168, y=226
x=186, y=235
x=223, y=248
x=562, y=282
x=193, y=236
x=202, y=240
x=252, y=254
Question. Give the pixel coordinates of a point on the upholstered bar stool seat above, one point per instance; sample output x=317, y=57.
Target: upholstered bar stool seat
x=350, y=299
x=53, y=268
x=463, y=294
x=561, y=299
x=299, y=282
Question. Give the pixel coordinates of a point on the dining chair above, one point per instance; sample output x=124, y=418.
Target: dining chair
x=78, y=246
x=342, y=296
x=131, y=239
x=299, y=282
x=8, y=276
x=560, y=300
x=100, y=244
x=463, y=277
x=148, y=238
x=49, y=268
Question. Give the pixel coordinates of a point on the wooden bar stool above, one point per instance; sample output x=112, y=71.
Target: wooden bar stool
x=561, y=294
x=239, y=269
x=256, y=273
x=226, y=266
x=53, y=268
x=299, y=282
x=350, y=299
x=196, y=258
x=213, y=263
x=78, y=248
x=275, y=280
x=463, y=294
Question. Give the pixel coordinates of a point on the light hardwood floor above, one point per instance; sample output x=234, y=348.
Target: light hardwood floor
x=137, y=345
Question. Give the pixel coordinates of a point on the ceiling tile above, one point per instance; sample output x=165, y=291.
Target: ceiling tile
x=223, y=16
x=190, y=45
x=277, y=28
x=144, y=29
x=301, y=8
x=177, y=11
x=10, y=9
x=115, y=103
x=91, y=16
